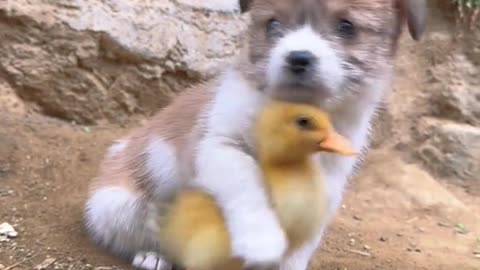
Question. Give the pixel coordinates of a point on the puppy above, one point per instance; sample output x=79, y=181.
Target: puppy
x=335, y=54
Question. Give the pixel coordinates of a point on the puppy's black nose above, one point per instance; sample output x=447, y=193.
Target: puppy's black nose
x=300, y=61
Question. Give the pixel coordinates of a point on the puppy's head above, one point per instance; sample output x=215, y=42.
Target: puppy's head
x=327, y=51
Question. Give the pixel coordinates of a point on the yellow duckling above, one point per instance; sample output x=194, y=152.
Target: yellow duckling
x=288, y=134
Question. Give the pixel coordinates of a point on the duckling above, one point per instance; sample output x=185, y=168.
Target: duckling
x=287, y=135
x=193, y=233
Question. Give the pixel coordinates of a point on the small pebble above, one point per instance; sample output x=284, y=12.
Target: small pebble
x=476, y=256
x=383, y=239
x=357, y=218
x=352, y=242
x=367, y=247
x=420, y=229
x=442, y=224
x=7, y=230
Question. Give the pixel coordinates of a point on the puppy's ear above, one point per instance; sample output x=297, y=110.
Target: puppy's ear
x=245, y=5
x=415, y=12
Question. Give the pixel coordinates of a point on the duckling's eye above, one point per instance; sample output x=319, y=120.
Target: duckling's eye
x=304, y=122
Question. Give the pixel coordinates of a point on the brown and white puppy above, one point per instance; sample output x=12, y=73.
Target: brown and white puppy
x=335, y=54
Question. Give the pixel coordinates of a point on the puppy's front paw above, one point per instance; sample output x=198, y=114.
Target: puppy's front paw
x=150, y=261
x=261, y=245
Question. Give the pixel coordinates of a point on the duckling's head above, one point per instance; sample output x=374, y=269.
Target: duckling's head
x=289, y=131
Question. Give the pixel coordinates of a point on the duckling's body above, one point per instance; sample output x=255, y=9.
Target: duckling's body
x=194, y=235
x=298, y=196
x=288, y=135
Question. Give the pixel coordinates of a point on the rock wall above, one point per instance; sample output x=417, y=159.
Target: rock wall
x=94, y=60
x=433, y=114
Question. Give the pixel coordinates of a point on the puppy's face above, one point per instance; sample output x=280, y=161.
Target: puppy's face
x=326, y=51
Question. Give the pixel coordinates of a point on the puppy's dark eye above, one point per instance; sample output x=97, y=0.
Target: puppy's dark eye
x=274, y=28
x=304, y=122
x=346, y=29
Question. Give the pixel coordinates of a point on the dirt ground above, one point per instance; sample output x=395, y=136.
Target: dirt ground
x=45, y=167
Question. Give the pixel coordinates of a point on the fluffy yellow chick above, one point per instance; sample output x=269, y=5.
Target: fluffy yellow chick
x=193, y=233
x=288, y=135
x=193, y=229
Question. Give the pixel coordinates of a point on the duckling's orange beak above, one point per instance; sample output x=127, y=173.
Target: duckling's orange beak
x=336, y=143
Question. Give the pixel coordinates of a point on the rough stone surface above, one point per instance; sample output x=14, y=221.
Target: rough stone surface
x=93, y=60
x=96, y=61
x=459, y=98
x=10, y=102
x=432, y=116
x=450, y=149
x=392, y=179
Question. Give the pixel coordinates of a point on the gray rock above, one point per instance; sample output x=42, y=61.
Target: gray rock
x=450, y=149
x=458, y=97
x=93, y=61
x=397, y=184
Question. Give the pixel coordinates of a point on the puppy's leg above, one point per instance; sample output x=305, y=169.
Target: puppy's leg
x=233, y=178
x=299, y=259
x=150, y=261
x=115, y=219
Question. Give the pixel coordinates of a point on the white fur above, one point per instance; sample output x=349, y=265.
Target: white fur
x=116, y=148
x=329, y=70
x=150, y=261
x=162, y=166
x=113, y=220
x=233, y=176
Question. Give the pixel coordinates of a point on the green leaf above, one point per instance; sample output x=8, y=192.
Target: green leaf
x=461, y=229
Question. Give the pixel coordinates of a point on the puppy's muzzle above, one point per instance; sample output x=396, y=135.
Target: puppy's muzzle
x=300, y=62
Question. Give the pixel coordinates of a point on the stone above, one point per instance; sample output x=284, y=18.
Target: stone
x=398, y=184
x=45, y=264
x=92, y=61
x=8, y=230
x=458, y=99
x=450, y=149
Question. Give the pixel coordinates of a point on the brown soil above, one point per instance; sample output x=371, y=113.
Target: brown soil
x=45, y=166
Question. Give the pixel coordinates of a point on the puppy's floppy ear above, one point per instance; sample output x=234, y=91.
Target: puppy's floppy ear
x=245, y=5
x=416, y=13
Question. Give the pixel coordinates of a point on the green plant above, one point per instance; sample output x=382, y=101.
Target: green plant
x=460, y=229
x=467, y=3
x=468, y=11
